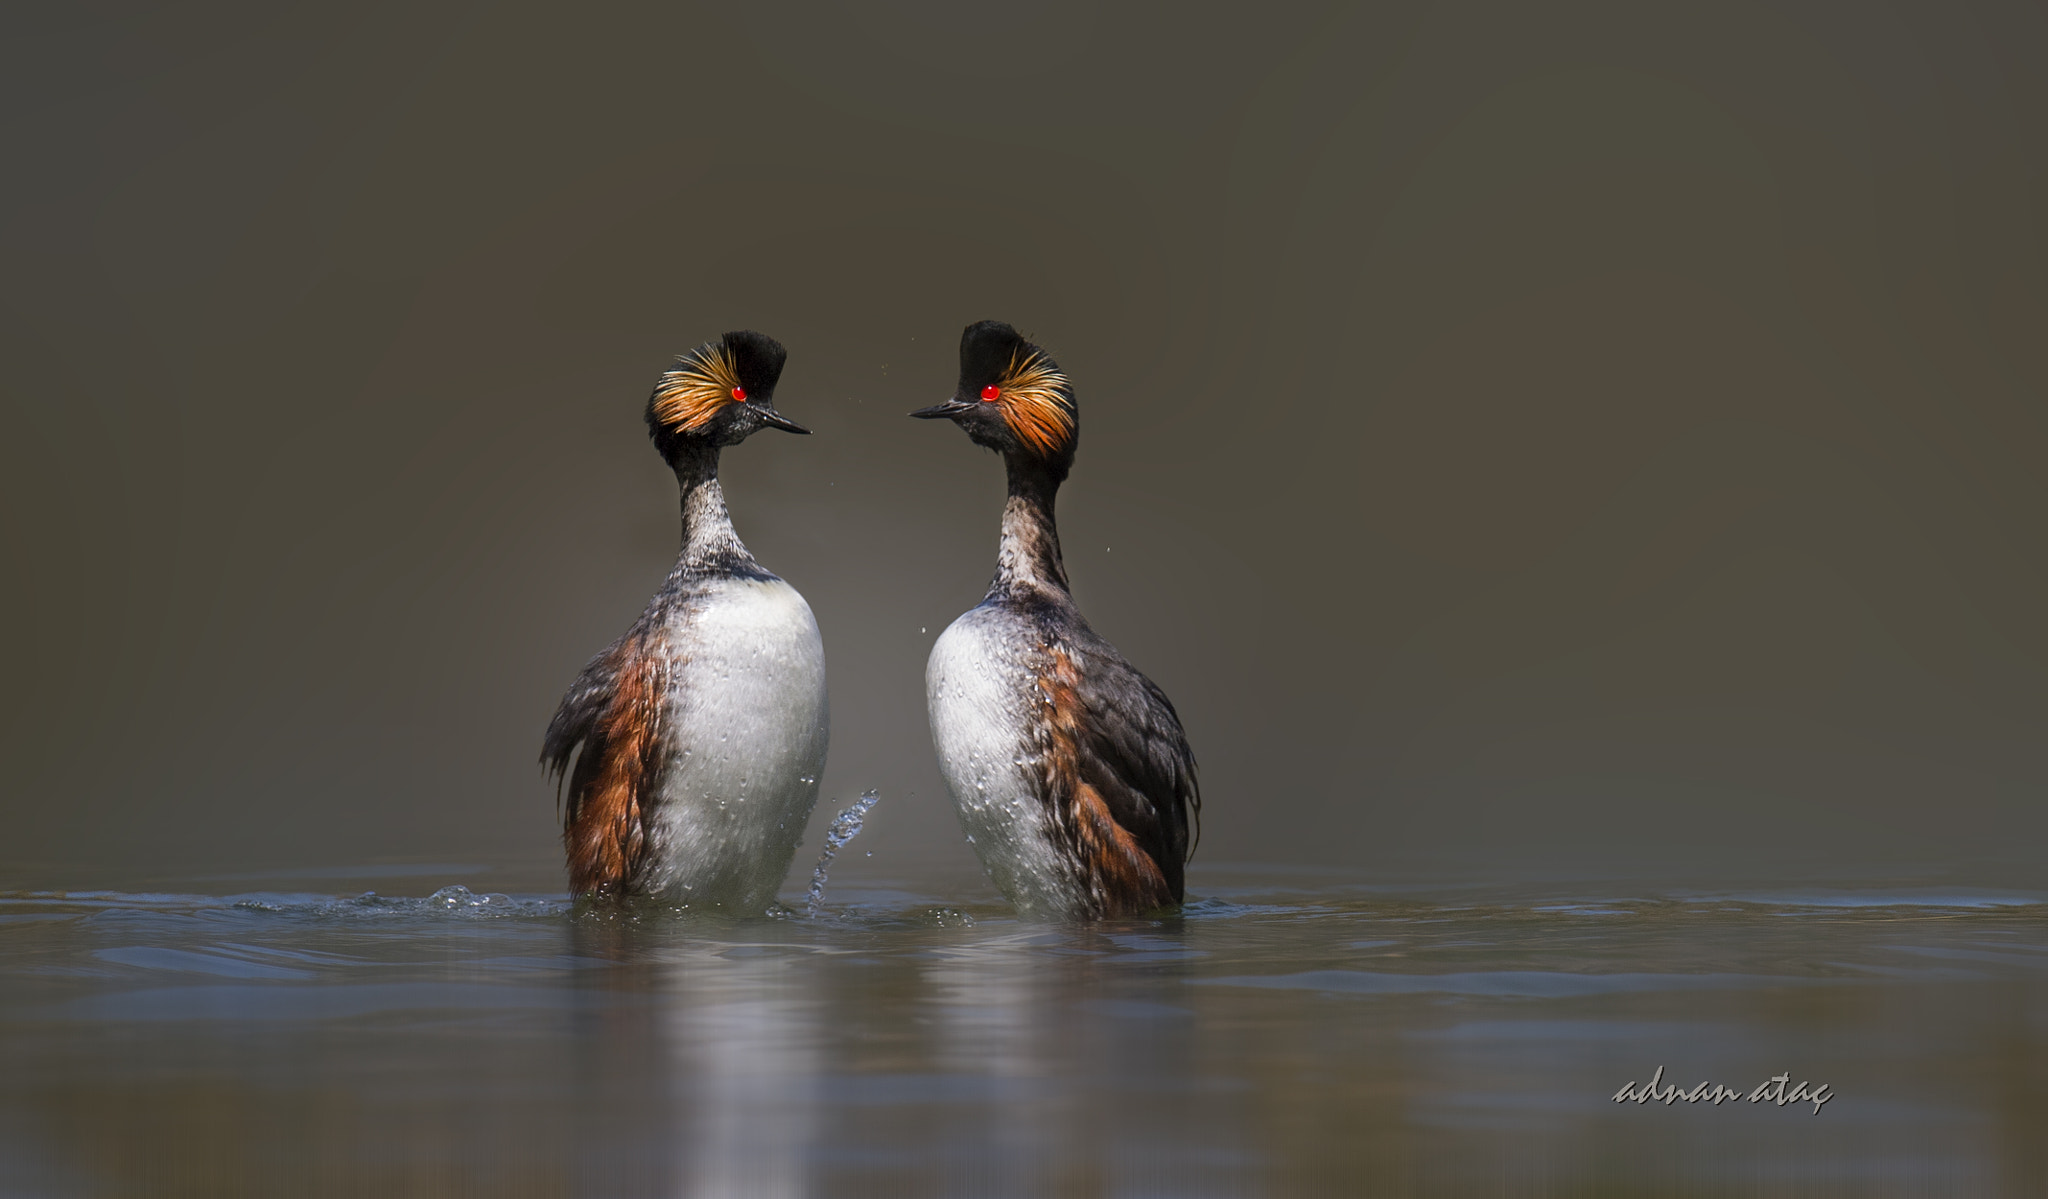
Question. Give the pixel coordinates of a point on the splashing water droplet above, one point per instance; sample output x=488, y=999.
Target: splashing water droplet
x=845, y=827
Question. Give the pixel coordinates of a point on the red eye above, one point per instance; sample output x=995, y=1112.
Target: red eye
x=739, y=393
x=991, y=392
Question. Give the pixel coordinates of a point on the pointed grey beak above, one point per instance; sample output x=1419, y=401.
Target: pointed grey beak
x=950, y=408
x=770, y=417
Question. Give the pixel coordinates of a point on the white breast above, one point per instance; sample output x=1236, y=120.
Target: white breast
x=982, y=696
x=747, y=727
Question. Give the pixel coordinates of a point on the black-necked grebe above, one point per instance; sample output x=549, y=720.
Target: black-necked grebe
x=702, y=731
x=1068, y=768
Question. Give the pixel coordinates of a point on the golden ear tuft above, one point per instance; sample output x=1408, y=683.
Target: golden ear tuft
x=1034, y=403
x=691, y=393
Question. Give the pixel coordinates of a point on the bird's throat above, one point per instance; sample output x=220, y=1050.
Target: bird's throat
x=1028, y=557
x=708, y=536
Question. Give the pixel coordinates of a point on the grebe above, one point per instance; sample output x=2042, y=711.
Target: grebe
x=1069, y=770
x=702, y=731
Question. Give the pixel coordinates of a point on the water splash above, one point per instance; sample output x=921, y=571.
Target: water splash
x=845, y=827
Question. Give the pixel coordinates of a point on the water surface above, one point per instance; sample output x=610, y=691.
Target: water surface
x=1290, y=1033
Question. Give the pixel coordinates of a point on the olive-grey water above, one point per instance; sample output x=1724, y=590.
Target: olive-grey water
x=1289, y=1033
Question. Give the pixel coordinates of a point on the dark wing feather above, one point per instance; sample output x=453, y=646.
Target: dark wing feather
x=576, y=720
x=1136, y=734
x=1124, y=777
x=612, y=713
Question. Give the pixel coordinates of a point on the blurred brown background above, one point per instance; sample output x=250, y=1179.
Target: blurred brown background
x=1577, y=433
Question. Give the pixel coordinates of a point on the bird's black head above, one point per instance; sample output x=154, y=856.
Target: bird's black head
x=1013, y=399
x=718, y=393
